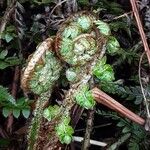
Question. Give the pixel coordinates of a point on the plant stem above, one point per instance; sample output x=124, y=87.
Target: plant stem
x=36, y=122
x=86, y=143
x=140, y=27
x=106, y=100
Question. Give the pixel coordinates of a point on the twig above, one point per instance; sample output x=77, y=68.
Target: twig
x=94, y=127
x=6, y=17
x=86, y=142
x=121, y=140
x=106, y=100
x=58, y=4
x=142, y=89
x=123, y=15
x=147, y=124
x=140, y=27
x=93, y=142
x=118, y=17
x=14, y=93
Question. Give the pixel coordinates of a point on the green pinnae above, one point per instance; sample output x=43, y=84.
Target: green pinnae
x=78, y=51
x=79, y=39
x=84, y=48
x=66, y=47
x=82, y=45
x=84, y=98
x=103, y=27
x=73, y=74
x=64, y=131
x=86, y=22
x=51, y=112
x=43, y=78
x=112, y=45
x=103, y=71
x=71, y=31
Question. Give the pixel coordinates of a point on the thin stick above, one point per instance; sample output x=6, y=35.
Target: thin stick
x=89, y=125
x=140, y=27
x=14, y=93
x=93, y=142
x=106, y=100
x=6, y=17
x=123, y=15
x=142, y=89
x=58, y=4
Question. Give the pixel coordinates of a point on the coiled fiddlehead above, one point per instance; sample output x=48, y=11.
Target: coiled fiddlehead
x=39, y=77
x=80, y=43
x=77, y=41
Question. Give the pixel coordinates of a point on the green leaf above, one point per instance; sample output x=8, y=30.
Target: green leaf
x=84, y=98
x=10, y=61
x=64, y=131
x=16, y=113
x=50, y=112
x=6, y=111
x=112, y=45
x=3, y=64
x=67, y=139
x=121, y=124
x=133, y=146
x=5, y=96
x=3, y=54
x=26, y=113
x=13, y=60
x=10, y=28
x=103, y=27
x=103, y=71
x=126, y=129
x=8, y=37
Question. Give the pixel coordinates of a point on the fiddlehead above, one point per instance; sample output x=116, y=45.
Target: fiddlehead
x=39, y=77
x=78, y=39
x=80, y=43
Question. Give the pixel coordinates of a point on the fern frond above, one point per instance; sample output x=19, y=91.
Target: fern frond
x=5, y=95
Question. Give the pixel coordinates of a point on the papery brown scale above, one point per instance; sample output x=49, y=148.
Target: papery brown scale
x=34, y=60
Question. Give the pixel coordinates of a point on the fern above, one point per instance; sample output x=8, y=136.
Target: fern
x=129, y=93
x=138, y=137
x=9, y=105
x=5, y=96
x=8, y=61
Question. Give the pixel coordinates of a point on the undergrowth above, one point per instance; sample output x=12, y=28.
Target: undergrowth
x=34, y=20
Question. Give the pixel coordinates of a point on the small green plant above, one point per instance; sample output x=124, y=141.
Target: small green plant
x=6, y=61
x=10, y=105
x=9, y=34
x=138, y=136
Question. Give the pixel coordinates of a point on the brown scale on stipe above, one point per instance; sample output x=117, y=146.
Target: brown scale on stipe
x=35, y=59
